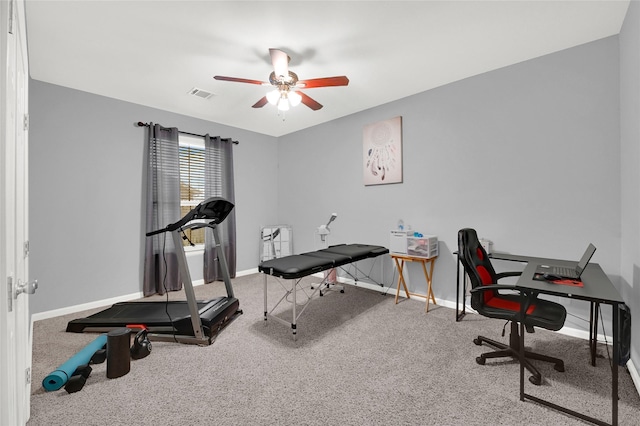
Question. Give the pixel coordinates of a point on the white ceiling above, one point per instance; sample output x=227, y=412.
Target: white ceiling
x=153, y=52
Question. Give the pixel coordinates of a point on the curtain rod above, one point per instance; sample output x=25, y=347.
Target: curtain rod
x=141, y=124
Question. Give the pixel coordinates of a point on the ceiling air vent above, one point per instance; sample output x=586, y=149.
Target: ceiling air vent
x=200, y=93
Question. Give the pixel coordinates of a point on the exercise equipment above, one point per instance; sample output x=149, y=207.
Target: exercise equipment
x=190, y=321
x=141, y=345
x=77, y=365
x=118, y=352
x=77, y=381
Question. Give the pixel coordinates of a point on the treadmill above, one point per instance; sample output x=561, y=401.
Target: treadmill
x=189, y=321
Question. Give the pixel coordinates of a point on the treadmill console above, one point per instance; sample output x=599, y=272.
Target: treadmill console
x=215, y=209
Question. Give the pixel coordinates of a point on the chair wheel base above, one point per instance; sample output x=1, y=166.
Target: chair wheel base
x=477, y=341
x=481, y=360
x=535, y=380
x=559, y=367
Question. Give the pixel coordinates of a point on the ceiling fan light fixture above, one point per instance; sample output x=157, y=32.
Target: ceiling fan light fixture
x=283, y=104
x=294, y=98
x=273, y=97
x=285, y=83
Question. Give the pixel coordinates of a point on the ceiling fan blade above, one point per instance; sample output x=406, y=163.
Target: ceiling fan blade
x=239, y=80
x=262, y=102
x=324, y=82
x=280, y=61
x=311, y=103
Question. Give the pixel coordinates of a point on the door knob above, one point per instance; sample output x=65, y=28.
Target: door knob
x=28, y=288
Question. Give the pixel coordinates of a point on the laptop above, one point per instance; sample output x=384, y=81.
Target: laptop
x=572, y=273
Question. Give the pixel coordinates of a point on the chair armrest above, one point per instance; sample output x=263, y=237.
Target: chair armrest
x=495, y=287
x=528, y=296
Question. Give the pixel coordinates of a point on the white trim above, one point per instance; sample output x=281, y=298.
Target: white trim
x=106, y=302
x=633, y=371
x=83, y=307
x=91, y=305
x=194, y=250
x=246, y=272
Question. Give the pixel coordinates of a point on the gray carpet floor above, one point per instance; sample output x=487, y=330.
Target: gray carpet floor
x=359, y=359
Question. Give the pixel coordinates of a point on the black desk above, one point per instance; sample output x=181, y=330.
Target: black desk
x=597, y=289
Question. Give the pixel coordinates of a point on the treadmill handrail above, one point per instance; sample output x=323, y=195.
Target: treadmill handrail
x=198, y=225
x=192, y=225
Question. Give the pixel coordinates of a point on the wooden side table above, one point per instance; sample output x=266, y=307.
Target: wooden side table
x=399, y=259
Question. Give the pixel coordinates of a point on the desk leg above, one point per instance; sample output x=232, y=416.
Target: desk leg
x=593, y=331
x=400, y=266
x=521, y=352
x=614, y=367
x=428, y=276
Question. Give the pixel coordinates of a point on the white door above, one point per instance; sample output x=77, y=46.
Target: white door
x=15, y=320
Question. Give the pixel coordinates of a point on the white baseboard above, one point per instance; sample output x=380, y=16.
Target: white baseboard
x=247, y=272
x=83, y=307
x=95, y=304
x=106, y=302
x=364, y=284
x=633, y=371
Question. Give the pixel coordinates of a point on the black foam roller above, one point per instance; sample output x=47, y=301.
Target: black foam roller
x=118, y=352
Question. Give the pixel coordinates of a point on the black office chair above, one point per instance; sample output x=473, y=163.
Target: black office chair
x=487, y=300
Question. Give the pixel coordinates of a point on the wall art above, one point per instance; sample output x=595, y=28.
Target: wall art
x=382, y=152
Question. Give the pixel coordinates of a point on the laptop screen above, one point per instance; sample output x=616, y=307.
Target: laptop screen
x=585, y=258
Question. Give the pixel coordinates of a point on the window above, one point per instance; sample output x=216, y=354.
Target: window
x=192, y=189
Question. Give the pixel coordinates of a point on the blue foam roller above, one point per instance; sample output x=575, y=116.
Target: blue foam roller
x=57, y=378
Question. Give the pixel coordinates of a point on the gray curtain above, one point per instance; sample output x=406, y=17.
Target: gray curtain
x=161, y=272
x=219, y=183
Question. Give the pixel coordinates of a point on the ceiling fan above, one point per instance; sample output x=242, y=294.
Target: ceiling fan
x=287, y=84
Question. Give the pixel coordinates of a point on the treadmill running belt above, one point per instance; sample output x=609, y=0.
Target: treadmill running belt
x=157, y=316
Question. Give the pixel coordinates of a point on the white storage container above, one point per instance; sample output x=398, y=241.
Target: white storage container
x=425, y=246
x=398, y=242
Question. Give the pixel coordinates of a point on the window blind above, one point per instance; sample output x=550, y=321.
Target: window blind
x=191, y=175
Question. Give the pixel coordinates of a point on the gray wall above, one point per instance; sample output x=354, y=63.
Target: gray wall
x=630, y=177
x=528, y=155
x=86, y=174
x=487, y=152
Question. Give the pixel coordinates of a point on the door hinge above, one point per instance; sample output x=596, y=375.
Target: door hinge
x=28, y=375
x=26, y=249
x=10, y=291
x=26, y=122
